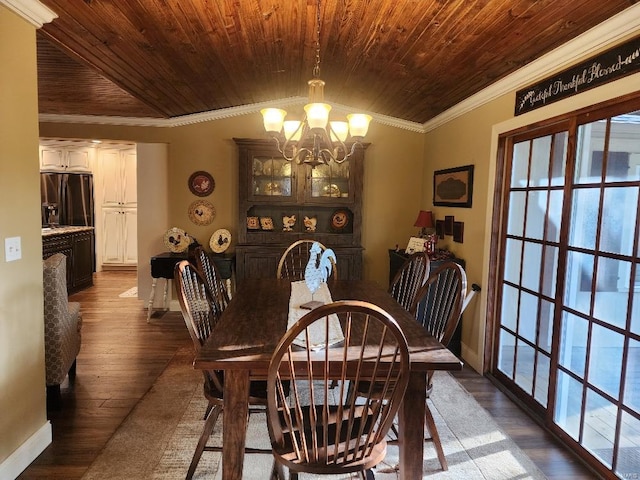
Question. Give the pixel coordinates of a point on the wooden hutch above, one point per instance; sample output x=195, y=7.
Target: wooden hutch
x=272, y=188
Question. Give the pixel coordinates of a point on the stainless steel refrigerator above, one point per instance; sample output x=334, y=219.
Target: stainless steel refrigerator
x=67, y=199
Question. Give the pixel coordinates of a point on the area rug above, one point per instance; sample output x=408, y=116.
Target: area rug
x=132, y=292
x=157, y=440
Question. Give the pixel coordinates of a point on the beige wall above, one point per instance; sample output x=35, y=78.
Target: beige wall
x=392, y=186
x=22, y=380
x=153, y=208
x=467, y=141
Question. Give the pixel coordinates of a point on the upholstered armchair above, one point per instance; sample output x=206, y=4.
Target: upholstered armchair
x=62, y=324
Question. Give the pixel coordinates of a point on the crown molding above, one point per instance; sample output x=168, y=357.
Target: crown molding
x=619, y=27
x=32, y=11
x=218, y=115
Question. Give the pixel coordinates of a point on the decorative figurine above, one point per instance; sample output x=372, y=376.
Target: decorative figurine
x=310, y=224
x=288, y=223
x=317, y=271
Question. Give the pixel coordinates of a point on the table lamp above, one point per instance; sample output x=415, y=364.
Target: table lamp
x=424, y=222
x=427, y=230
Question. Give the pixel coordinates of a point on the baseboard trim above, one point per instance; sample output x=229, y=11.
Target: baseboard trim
x=119, y=267
x=26, y=453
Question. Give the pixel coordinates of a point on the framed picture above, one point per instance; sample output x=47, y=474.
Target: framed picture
x=440, y=228
x=458, y=231
x=453, y=187
x=448, y=225
x=201, y=183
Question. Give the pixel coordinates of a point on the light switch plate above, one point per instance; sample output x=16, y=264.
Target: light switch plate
x=12, y=249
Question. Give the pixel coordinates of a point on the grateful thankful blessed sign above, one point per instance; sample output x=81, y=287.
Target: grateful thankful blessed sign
x=598, y=70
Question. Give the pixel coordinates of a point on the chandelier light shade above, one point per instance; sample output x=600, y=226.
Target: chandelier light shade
x=315, y=140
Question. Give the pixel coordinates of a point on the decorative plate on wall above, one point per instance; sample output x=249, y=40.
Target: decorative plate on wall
x=340, y=219
x=220, y=240
x=176, y=240
x=202, y=212
x=201, y=183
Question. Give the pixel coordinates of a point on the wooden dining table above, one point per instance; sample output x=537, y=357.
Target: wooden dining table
x=253, y=323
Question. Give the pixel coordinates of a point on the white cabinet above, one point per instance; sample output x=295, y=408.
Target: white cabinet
x=119, y=236
x=66, y=158
x=119, y=205
x=119, y=187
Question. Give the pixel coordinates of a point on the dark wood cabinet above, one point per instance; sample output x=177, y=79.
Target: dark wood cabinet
x=271, y=188
x=83, y=260
x=78, y=245
x=397, y=259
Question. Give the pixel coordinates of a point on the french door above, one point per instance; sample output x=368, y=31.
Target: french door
x=567, y=323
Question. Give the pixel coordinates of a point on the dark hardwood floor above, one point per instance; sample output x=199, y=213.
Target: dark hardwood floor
x=122, y=356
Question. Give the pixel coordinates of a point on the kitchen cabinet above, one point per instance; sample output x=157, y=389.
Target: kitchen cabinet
x=118, y=205
x=119, y=242
x=272, y=191
x=60, y=157
x=78, y=245
x=118, y=177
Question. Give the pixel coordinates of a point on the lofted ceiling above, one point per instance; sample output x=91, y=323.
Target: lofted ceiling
x=407, y=59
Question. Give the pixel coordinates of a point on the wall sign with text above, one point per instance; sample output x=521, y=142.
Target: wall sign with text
x=598, y=70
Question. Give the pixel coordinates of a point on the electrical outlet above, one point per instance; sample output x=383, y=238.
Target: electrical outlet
x=12, y=249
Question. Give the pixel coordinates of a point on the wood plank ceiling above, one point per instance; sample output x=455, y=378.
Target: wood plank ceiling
x=409, y=59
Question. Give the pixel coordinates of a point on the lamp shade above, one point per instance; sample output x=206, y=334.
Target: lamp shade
x=317, y=114
x=339, y=131
x=273, y=119
x=424, y=220
x=358, y=124
x=292, y=130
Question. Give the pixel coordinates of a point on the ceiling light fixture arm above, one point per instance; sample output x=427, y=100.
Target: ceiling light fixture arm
x=316, y=153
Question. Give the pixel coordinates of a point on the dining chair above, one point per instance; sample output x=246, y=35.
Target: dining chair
x=295, y=258
x=316, y=429
x=200, y=318
x=212, y=278
x=409, y=278
x=406, y=282
x=437, y=307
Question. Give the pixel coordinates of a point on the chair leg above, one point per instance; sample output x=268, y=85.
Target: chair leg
x=208, y=410
x=72, y=371
x=277, y=472
x=54, y=397
x=202, y=443
x=394, y=429
x=435, y=437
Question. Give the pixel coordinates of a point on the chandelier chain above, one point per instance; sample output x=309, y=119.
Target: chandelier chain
x=316, y=67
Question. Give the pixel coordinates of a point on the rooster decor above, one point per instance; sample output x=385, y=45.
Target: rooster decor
x=317, y=270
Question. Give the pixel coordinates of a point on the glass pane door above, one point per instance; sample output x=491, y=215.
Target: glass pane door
x=568, y=329
x=598, y=357
x=531, y=245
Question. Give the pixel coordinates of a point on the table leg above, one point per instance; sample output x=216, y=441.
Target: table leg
x=151, y=298
x=235, y=417
x=166, y=291
x=411, y=427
